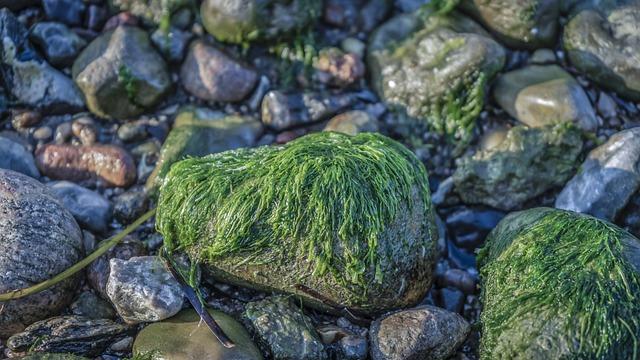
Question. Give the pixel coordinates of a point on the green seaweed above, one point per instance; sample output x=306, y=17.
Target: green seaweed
x=438, y=7
x=561, y=267
x=126, y=77
x=315, y=194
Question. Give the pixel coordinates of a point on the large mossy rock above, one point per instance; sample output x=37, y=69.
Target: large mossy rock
x=201, y=131
x=434, y=68
x=559, y=285
x=246, y=20
x=528, y=162
x=121, y=74
x=604, y=45
x=339, y=221
x=522, y=24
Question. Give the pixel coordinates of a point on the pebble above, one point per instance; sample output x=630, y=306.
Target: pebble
x=90, y=209
x=43, y=133
x=353, y=122
x=469, y=225
x=607, y=106
x=22, y=118
x=338, y=69
x=84, y=128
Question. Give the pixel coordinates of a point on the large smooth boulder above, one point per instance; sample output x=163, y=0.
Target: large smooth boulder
x=559, y=285
x=434, y=68
x=38, y=239
x=121, y=74
x=339, y=221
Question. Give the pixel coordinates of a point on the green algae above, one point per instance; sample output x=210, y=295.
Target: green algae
x=559, y=285
x=319, y=193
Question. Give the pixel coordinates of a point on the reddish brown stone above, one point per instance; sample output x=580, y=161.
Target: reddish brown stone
x=110, y=164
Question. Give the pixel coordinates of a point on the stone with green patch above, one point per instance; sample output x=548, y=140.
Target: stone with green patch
x=339, y=221
x=156, y=12
x=528, y=162
x=435, y=68
x=559, y=285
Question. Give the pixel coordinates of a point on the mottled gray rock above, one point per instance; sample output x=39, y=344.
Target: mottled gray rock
x=28, y=77
x=172, y=43
x=59, y=44
x=68, y=334
x=98, y=271
x=142, y=289
x=129, y=205
x=92, y=306
x=90, y=209
x=15, y=157
x=184, y=337
x=541, y=95
x=38, y=239
x=121, y=74
x=523, y=24
x=607, y=179
x=605, y=47
x=528, y=162
x=210, y=74
x=425, y=333
x=353, y=122
x=200, y=132
x=284, y=329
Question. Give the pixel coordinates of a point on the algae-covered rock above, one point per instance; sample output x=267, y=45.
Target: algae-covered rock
x=340, y=221
x=559, y=285
x=200, y=132
x=604, y=45
x=435, y=68
x=246, y=20
x=522, y=24
x=528, y=162
x=184, y=337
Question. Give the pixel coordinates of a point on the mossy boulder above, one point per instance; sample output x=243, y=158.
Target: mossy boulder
x=339, y=221
x=246, y=20
x=604, y=45
x=435, y=68
x=524, y=24
x=201, y=131
x=528, y=162
x=559, y=285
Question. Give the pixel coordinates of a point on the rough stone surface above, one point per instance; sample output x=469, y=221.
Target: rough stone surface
x=92, y=306
x=542, y=95
x=210, y=74
x=98, y=271
x=89, y=208
x=38, y=239
x=15, y=157
x=426, y=333
x=110, y=164
x=184, y=337
x=353, y=123
x=68, y=334
x=607, y=179
x=284, y=329
x=59, y=44
x=121, y=74
x=142, y=289
x=528, y=162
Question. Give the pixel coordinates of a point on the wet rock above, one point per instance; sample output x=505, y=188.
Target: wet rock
x=68, y=334
x=40, y=239
x=542, y=95
x=451, y=299
x=121, y=74
x=603, y=45
x=42, y=133
x=460, y=280
x=353, y=348
x=50, y=356
x=523, y=24
x=15, y=157
x=527, y=163
x=210, y=74
x=424, y=332
x=129, y=205
x=153, y=11
x=353, y=123
x=607, y=179
x=59, y=44
x=21, y=119
x=109, y=164
x=607, y=106
x=450, y=53
x=199, y=132
x=92, y=306
x=578, y=263
x=284, y=329
x=30, y=79
x=282, y=111
x=248, y=20
x=84, y=128
x=336, y=68
x=143, y=290
x=183, y=337
x=89, y=208
x=469, y=226
x=543, y=57
x=98, y=271
x=66, y=11
x=172, y=43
